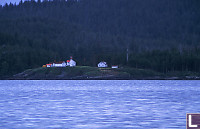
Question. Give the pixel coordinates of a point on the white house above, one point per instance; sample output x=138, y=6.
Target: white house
x=59, y=64
x=71, y=63
x=102, y=64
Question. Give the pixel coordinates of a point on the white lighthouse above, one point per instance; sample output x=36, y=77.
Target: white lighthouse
x=72, y=63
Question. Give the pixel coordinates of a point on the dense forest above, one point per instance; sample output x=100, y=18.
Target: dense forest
x=161, y=35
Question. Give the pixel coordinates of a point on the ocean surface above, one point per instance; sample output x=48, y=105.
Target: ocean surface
x=97, y=104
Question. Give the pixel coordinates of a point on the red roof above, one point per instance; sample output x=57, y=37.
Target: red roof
x=60, y=62
x=68, y=60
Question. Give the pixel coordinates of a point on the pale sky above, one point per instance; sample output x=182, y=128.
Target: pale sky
x=3, y=2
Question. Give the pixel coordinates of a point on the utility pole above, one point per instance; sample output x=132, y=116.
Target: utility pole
x=127, y=55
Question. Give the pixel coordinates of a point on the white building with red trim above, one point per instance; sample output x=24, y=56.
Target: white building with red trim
x=59, y=64
x=115, y=66
x=72, y=63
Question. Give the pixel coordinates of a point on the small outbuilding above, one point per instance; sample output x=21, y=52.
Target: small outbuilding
x=115, y=67
x=68, y=63
x=102, y=64
x=48, y=65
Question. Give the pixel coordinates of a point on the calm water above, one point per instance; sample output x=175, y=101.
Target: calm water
x=97, y=104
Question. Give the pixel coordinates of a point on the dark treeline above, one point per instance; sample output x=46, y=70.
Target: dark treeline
x=162, y=35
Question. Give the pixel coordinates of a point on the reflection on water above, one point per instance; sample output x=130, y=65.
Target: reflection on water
x=97, y=104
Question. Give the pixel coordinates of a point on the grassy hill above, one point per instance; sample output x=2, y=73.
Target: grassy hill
x=93, y=73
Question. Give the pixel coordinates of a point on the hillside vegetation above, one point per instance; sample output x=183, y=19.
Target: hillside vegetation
x=161, y=35
x=87, y=72
x=94, y=73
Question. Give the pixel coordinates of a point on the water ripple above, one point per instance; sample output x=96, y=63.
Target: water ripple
x=97, y=104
